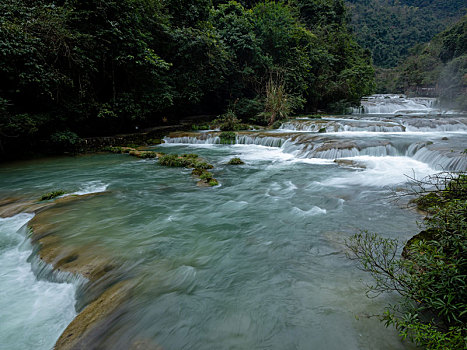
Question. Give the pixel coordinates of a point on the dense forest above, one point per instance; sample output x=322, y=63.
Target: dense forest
x=438, y=68
x=389, y=28
x=73, y=68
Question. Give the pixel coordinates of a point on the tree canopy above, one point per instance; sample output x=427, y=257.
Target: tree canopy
x=91, y=67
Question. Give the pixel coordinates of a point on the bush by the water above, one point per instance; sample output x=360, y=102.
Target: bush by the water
x=227, y=137
x=52, y=195
x=431, y=277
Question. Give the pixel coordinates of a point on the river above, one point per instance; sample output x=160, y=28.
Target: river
x=256, y=262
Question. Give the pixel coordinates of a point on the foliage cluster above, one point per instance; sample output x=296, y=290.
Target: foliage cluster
x=98, y=67
x=432, y=274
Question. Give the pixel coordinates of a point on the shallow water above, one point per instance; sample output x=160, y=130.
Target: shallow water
x=256, y=262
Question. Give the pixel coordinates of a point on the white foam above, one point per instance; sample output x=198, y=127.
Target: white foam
x=90, y=187
x=311, y=212
x=33, y=313
x=382, y=171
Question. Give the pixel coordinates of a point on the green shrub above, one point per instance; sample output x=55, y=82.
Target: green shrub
x=65, y=140
x=248, y=109
x=428, y=201
x=229, y=121
x=52, y=195
x=431, y=276
x=227, y=137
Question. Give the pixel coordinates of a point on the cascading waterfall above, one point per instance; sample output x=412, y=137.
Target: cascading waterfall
x=197, y=140
x=398, y=104
x=200, y=139
x=31, y=291
x=308, y=138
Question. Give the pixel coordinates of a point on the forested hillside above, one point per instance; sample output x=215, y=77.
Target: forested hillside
x=438, y=68
x=389, y=28
x=92, y=67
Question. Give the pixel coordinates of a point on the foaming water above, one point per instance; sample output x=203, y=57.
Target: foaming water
x=91, y=187
x=382, y=171
x=257, y=262
x=33, y=312
x=399, y=104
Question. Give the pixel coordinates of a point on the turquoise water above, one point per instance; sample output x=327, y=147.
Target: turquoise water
x=256, y=262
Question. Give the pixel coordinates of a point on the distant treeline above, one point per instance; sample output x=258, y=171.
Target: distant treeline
x=389, y=28
x=95, y=67
x=437, y=68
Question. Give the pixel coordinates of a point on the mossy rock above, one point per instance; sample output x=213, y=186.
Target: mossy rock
x=189, y=155
x=143, y=154
x=197, y=172
x=322, y=130
x=112, y=149
x=206, y=175
x=52, y=195
x=213, y=182
x=236, y=161
x=185, y=160
x=202, y=165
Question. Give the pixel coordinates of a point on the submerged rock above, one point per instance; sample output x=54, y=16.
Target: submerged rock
x=13, y=206
x=89, y=326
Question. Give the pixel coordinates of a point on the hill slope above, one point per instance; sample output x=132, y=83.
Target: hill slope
x=389, y=28
x=438, y=68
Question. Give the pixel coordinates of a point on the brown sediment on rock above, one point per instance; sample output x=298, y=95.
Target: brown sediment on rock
x=81, y=260
x=336, y=145
x=74, y=259
x=79, y=332
x=13, y=206
x=350, y=163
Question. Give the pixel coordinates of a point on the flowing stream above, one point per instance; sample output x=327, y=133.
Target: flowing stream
x=256, y=262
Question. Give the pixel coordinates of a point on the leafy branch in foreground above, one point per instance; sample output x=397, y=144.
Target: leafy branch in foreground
x=430, y=274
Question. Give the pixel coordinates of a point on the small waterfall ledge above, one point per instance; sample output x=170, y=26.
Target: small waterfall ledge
x=300, y=139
